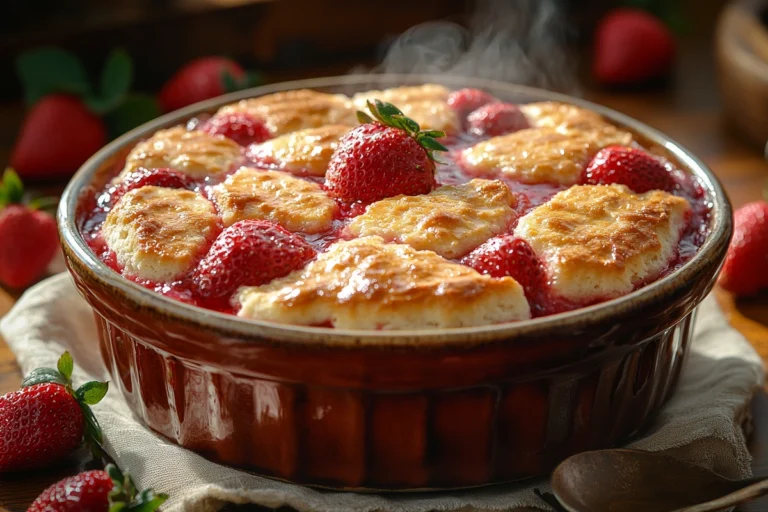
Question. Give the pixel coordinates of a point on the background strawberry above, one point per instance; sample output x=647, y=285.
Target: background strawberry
x=201, y=79
x=631, y=46
x=240, y=127
x=632, y=167
x=496, y=119
x=97, y=491
x=745, y=271
x=382, y=158
x=510, y=256
x=465, y=101
x=47, y=419
x=58, y=135
x=29, y=238
x=249, y=253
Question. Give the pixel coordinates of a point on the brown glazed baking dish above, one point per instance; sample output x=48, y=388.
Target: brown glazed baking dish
x=393, y=410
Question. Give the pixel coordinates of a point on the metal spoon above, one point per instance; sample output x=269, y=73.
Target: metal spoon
x=639, y=481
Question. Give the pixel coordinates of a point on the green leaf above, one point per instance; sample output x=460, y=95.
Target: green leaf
x=433, y=133
x=43, y=376
x=387, y=109
x=91, y=393
x=229, y=82
x=66, y=365
x=116, y=80
x=363, y=118
x=136, y=109
x=48, y=70
x=148, y=501
x=408, y=124
x=432, y=144
x=93, y=435
x=11, y=188
x=117, y=507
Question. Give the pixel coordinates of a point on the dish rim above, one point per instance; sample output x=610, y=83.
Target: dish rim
x=252, y=330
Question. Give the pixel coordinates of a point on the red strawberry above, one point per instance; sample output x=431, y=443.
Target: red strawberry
x=96, y=491
x=465, y=101
x=58, y=135
x=199, y=80
x=46, y=419
x=631, y=46
x=28, y=237
x=249, y=253
x=168, y=178
x=632, y=167
x=240, y=127
x=509, y=256
x=497, y=119
x=383, y=158
x=745, y=271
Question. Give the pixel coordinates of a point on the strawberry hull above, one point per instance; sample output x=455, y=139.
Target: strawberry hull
x=394, y=410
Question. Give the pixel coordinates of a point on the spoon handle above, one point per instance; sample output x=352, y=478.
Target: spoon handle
x=750, y=492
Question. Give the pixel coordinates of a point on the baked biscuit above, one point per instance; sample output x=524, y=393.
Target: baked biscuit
x=195, y=153
x=288, y=111
x=553, y=114
x=451, y=220
x=542, y=155
x=158, y=233
x=303, y=152
x=426, y=104
x=369, y=284
x=599, y=241
x=294, y=203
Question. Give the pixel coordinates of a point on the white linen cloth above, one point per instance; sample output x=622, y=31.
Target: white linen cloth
x=702, y=423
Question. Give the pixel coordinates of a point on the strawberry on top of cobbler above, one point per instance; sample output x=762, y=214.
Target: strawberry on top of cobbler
x=407, y=208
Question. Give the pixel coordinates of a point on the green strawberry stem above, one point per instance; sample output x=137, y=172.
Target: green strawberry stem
x=86, y=395
x=124, y=496
x=389, y=115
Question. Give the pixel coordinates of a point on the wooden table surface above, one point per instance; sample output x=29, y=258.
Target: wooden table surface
x=688, y=110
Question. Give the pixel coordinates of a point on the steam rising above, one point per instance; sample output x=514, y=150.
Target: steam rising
x=518, y=41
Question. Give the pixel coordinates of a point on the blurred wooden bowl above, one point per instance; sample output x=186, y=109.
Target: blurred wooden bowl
x=742, y=61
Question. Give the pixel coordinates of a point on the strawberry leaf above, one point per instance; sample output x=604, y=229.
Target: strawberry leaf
x=93, y=435
x=11, y=188
x=66, y=365
x=364, y=118
x=115, y=83
x=48, y=70
x=136, y=109
x=91, y=393
x=44, y=376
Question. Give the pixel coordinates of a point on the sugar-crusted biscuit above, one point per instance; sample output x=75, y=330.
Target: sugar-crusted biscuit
x=158, y=233
x=288, y=111
x=303, y=152
x=599, y=241
x=562, y=116
x=426, y=104
x=369, y=284
x=294, y=203
x=195, y=153
x=451, y=220
x=542, y=155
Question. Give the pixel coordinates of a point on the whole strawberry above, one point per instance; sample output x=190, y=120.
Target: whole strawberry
x=163, y=177
x=249, y=253
x=47, y=419
x=631, y=46
x=745, y=271
x=496, y=119
x=510, y=256
x=57, y=136
x=632, y=167
x=465, y=101
x=97, y=491
x=240, y=127
x=29, y=238
x=200, y=80
x=382, y=158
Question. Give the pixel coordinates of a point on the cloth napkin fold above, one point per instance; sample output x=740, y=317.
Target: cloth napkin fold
x=702, y=423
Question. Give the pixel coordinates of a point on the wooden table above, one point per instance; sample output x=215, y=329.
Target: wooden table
x=689, y=111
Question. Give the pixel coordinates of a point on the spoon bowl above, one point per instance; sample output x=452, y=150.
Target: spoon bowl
x=623, y=480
